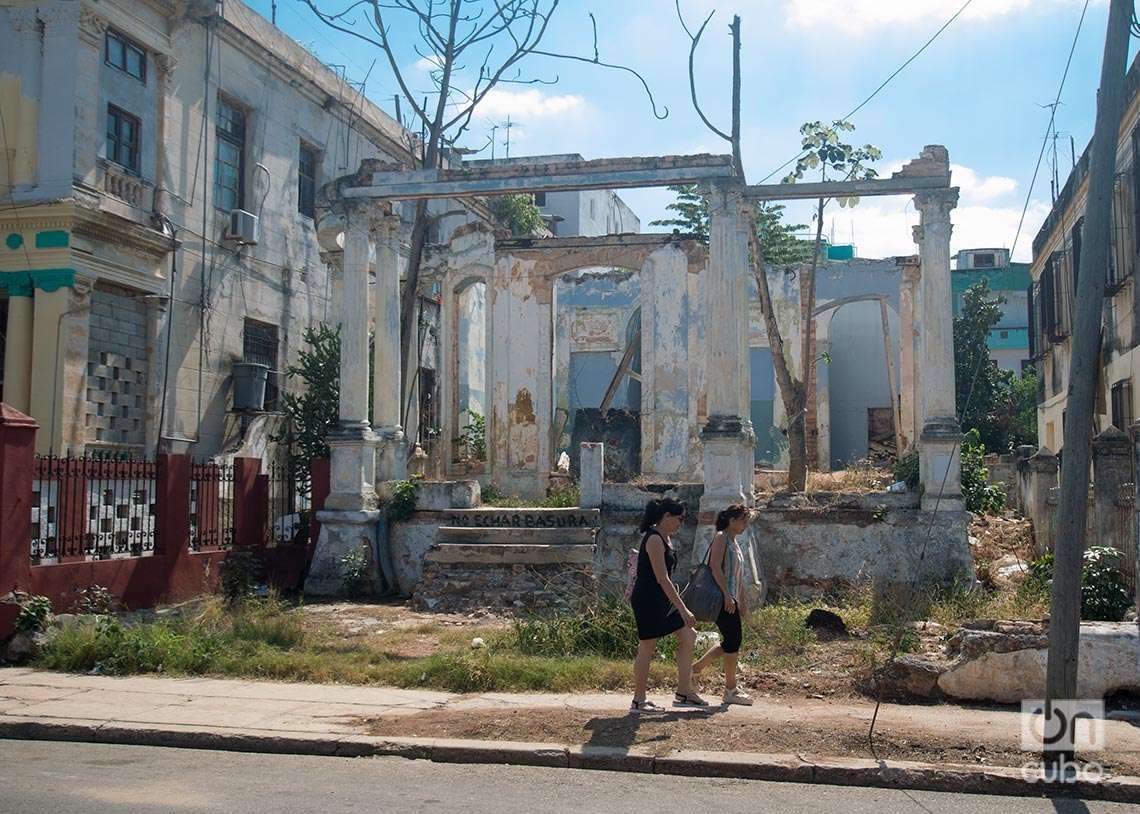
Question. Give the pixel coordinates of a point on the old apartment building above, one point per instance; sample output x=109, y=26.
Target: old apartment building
x=1056, y=270
x=161, y=164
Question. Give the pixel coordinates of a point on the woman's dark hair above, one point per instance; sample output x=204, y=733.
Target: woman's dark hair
x=658, y=508
x=726, y=516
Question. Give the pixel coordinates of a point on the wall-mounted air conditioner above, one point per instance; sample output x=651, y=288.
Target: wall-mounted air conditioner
x=243, y=227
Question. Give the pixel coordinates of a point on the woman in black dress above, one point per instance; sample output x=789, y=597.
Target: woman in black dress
x=658, y=608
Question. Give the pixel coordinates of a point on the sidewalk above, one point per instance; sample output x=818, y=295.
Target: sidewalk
x=353, y=721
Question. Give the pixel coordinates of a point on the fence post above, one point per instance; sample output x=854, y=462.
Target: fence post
x=17, y=470
x=320, y=482
x=1040, y=478
x=249, y=498
x=1112, y=468
x=172, y=505
x=591, y=474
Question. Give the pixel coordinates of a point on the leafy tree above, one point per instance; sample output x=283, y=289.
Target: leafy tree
x=519, y=212
x=691, y=211
x=312, y=411
x=979, y=495
x=778, y=240
x=824, y=153
x=1000, y=405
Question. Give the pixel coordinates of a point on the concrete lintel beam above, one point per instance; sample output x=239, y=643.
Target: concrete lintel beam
x=847, y=189
x=617, y=174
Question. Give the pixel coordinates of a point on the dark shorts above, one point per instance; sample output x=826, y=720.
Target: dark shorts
x=655, y=621
x=731, y=633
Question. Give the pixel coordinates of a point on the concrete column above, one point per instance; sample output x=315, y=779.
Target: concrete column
x=57, y=129
x=1038, y=476
x=50, y=310
x=941, y=434
x=386, y=407
x=908, y=352
x=18, y=350
x=726, y=437
x=1134, y=554
x=350, y=520
x=1112, y=468
x=90, y=120
x=592, y=465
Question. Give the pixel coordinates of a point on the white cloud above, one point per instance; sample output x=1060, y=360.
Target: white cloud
x=978, y=188
x=428, y=64
x=861, y=15
x=528, y=104
x=883, y=228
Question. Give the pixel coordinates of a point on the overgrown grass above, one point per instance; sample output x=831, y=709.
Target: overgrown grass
x=266, y=639
x=589, y=649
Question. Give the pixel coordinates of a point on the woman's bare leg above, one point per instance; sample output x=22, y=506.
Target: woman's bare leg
x=707, y=659
x=645, y=652
x=730, y=660
x=686, y=641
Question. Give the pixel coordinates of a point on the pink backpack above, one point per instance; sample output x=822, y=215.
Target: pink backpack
x=630, y=573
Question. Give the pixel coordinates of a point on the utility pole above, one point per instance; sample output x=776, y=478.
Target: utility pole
x=737, y=160
x=1065, y=609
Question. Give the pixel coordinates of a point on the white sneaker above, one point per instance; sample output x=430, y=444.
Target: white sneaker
x=735, y=696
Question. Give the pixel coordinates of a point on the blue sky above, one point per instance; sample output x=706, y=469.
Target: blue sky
x=979, y=90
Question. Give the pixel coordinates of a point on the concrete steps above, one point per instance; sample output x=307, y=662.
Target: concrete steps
x=510, y=554
x=523, y=559
x=521, y=536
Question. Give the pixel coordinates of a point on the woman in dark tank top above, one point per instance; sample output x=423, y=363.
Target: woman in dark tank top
x=658, y=607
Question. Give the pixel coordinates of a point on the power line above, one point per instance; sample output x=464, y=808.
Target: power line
x=885, y=82
x=1048, y=129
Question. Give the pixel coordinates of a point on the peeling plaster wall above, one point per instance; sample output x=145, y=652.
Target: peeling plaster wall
x=521, y=406
x=804, y=549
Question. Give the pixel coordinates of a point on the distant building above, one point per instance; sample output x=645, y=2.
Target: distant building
x=1057, y=266
x=577, y=213
x=1009, y=340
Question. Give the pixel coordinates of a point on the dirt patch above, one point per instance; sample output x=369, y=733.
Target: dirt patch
x=396, y=629
x=713, y=731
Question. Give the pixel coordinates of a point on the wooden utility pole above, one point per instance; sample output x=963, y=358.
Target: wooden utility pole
x=737, y=159
x=1065, y=613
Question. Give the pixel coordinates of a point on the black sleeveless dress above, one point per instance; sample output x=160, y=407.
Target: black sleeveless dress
x=655, y=614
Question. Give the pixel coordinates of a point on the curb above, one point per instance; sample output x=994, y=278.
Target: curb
x=887, y=774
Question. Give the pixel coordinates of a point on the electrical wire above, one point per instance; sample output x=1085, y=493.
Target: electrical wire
x=1048, y=129
x=884, y=83
x=982, y=358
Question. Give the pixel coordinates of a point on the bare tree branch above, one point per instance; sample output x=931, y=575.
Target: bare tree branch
x=695, y=41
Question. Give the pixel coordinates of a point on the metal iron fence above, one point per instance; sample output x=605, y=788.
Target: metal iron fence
x=92, y=508
x=211, y=506
x=289, y=506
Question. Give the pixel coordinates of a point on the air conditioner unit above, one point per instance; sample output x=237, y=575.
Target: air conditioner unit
x=243, y=227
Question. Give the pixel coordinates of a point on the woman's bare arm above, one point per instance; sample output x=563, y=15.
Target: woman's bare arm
x=655, y=547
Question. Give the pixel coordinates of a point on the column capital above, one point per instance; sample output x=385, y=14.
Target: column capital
x=726, y=197
x=916, y=234
x=386, y=226
x=92, y=27
x=935, y=204
x=22, y=18
x=166, y=63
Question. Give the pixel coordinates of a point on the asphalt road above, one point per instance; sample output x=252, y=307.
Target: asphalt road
x=38, y=777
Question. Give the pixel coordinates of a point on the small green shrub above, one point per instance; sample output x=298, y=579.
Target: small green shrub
x=603, y=628
x=565, y=497
x=1104, y=597
x=906, y=470
x=472, y=438
x=34, y=615
x=356, y=573
x=95, y=599
x=403, y=502
x=491, y=494
x=980, y=496
x=240, y=572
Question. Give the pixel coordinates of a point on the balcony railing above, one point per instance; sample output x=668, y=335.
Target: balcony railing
x=120, y=183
